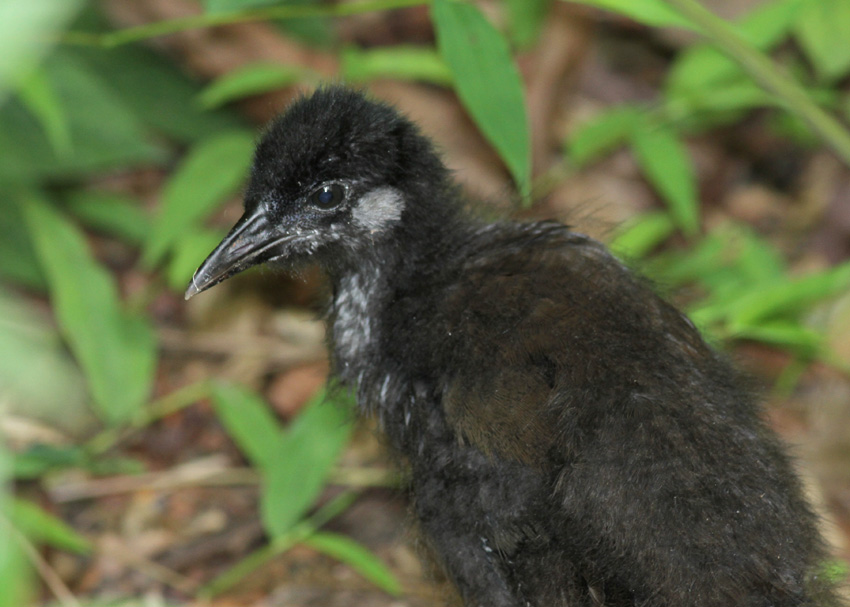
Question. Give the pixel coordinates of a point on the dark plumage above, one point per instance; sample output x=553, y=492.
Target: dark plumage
x=572, y=439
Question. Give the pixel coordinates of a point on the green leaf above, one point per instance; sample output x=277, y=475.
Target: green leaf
x=487, y=82
x=114, y=214
x=789, y=296
x=15, y=577
x=526, y=20
x=602, y=133
x=116, y=350
x=249, y=422
x=43, y=528
x=641, y=234
x=27, y=31
x=40, y=459
x=802, y=340
x=37, y=94
x=358, y=557
x=252, y=79
x=823, y=29
x=399, y=62
x=18, y=262
x=666, y=164
x=655, y=13
x=302, y=462
x=212, y=171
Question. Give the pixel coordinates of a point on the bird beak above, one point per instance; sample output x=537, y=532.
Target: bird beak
x=249, y=243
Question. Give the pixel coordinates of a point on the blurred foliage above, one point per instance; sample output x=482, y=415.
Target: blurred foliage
x=72, y=111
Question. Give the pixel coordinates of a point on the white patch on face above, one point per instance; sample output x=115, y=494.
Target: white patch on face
x=378, y=210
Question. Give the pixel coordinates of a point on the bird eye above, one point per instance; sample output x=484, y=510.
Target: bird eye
x=328, y=196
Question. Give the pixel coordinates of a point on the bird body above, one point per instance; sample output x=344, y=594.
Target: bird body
x=572, y=440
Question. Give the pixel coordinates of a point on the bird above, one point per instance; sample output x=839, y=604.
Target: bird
x=571, y=438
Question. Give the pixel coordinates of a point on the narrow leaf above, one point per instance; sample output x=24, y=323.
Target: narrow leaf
x=526, y=20
x=37, y=94
x=302, y=462
x=487, y=82
x=248, y=421
x=212, y=171
x=400, y=62
x=642, y=234
x=655, y=13
x=44, y=528
x=602, y=133
x=358, y=557
x=252, y=79
x=666, y=163
x=116, y=350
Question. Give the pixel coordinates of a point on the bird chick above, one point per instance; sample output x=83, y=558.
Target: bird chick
x=572, y=439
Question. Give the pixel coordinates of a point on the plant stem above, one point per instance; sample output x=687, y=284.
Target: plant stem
x=168, y=404
x=172, y=26
x=767, y=74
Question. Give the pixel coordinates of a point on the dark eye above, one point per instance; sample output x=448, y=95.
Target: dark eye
x=328, y=196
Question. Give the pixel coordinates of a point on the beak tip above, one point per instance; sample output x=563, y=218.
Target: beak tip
x=191, y=291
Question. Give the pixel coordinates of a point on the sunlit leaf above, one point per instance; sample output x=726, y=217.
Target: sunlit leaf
x=249, y=422
x=666, y=163
x=602, y=133
x=358, y=557
x=788, y=335
x=116, y=350
x=302, y=462
x=27, y=31
x=400, y=62
x=252, y=79
x=42, y=527
x=823, y=29
x=15, y=577
x=212, y=171
x=656, y=13
x=642, y=234
x=487, y=82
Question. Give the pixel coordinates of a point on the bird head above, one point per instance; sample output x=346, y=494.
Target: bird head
x=334, y=174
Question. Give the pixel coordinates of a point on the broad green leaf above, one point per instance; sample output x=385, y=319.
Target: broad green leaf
x=823, y=30
x=116, y=350
x=251, y=79
x=526, y=20
x=666, y=163
x=302, y=462
x=249, y=422
x=37, y=94
x=188, y=253
x=114, y=214
x=487, y=82
x=43, y=528
x=656, y=13
x=400, y=62
x=27, y=31
x=642, y=234
x=602, y=133
x=212, y=171
x=158, y=93
x=18, y=262
x=104, y=132
x=358, y=557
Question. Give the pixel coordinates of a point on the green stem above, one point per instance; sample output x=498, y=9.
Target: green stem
x=172, y=26
x=168, y=404
x=279, y=545
x=767, y=75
